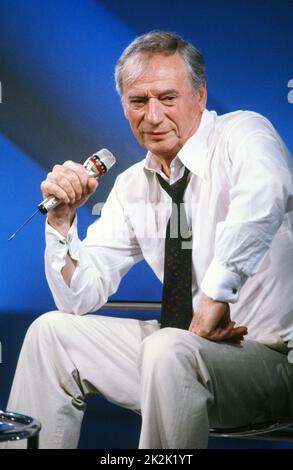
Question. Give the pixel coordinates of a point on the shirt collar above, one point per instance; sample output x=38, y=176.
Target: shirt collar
x=193, y=154
x=194, y=151
x=152, y=163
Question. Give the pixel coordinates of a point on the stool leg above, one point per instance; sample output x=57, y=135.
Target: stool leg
x=33, y=442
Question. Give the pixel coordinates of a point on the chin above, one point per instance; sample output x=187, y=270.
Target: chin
x=165, y=152
x=160, y=151
x=160, y=147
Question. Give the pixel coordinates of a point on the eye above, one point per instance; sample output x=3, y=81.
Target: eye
x=168, y=99
x=137, y=102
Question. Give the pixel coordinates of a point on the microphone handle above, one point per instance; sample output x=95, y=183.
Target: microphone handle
x=48, y=204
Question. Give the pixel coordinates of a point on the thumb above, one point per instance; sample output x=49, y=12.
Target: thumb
x=92, y=185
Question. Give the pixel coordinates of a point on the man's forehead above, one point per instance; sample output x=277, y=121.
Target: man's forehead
x=157, y=70
x=155, y=63
x=153, y=89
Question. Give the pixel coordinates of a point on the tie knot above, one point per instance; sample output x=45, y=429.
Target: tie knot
x=175, y=190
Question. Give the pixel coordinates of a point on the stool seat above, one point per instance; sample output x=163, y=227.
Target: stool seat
x=255, y=429
x=15, y=426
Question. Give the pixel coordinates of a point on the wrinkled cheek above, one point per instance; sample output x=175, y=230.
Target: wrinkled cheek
x=135, y=131
x=139, y=135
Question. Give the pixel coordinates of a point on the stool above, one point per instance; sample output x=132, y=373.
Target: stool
x=258, y=429
x=15, y=426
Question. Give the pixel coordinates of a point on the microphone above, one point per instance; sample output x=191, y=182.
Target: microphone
x=96, y=165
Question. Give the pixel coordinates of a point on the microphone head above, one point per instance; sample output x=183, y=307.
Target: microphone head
x=106, y=157
x=99, y=163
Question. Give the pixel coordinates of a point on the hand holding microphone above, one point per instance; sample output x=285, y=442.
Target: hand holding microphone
x=71, y=184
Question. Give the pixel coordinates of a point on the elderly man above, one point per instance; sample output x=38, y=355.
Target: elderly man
x=229, y=180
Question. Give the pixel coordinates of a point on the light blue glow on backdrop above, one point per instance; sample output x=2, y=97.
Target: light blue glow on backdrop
x=59, y=102
x=23, y=285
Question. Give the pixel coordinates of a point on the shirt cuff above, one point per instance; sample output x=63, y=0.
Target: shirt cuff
x=221, y=284
x=57, y=245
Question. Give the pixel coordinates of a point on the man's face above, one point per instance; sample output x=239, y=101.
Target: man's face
x=161, y=105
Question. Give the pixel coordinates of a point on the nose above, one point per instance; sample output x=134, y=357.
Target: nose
x=154, y=113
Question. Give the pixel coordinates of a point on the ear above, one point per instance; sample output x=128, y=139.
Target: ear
x=202, y=97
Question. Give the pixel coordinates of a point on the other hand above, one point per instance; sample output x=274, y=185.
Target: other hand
x=212, y=321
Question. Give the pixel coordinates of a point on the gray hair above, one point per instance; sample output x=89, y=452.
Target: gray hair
x=161, y=42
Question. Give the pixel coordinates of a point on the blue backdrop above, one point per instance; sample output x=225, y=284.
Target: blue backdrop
x=58, y=102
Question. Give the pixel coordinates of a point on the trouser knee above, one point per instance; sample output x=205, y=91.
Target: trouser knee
x=43, y=331
x=166, y=349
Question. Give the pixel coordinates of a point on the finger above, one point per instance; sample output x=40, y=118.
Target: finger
x=225, y=334
x=92, y=185
x=50, y=188
x=231, y=331
x=62, y=174
x=236, y=340
x=80, y=172
x=201, y=332
x=64, y=183
x=224, y=322
x=215, y=335
x=234, y=337
x=241, y=330
x=220, y=334
x=89, y=183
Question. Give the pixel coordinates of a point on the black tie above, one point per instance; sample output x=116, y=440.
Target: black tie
x=177, y=290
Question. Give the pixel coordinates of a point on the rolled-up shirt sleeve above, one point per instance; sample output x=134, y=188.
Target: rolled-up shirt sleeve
x=109, y=250
x=261, y=193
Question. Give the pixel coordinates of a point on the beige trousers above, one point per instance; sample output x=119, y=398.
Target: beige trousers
x=181, y=383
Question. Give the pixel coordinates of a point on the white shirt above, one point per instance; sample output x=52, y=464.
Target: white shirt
x=239, y=203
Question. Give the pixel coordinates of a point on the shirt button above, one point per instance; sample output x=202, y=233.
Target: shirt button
x=62, y=242
x=234, y=291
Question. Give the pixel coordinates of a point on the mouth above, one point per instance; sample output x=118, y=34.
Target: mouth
x=157, y=134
